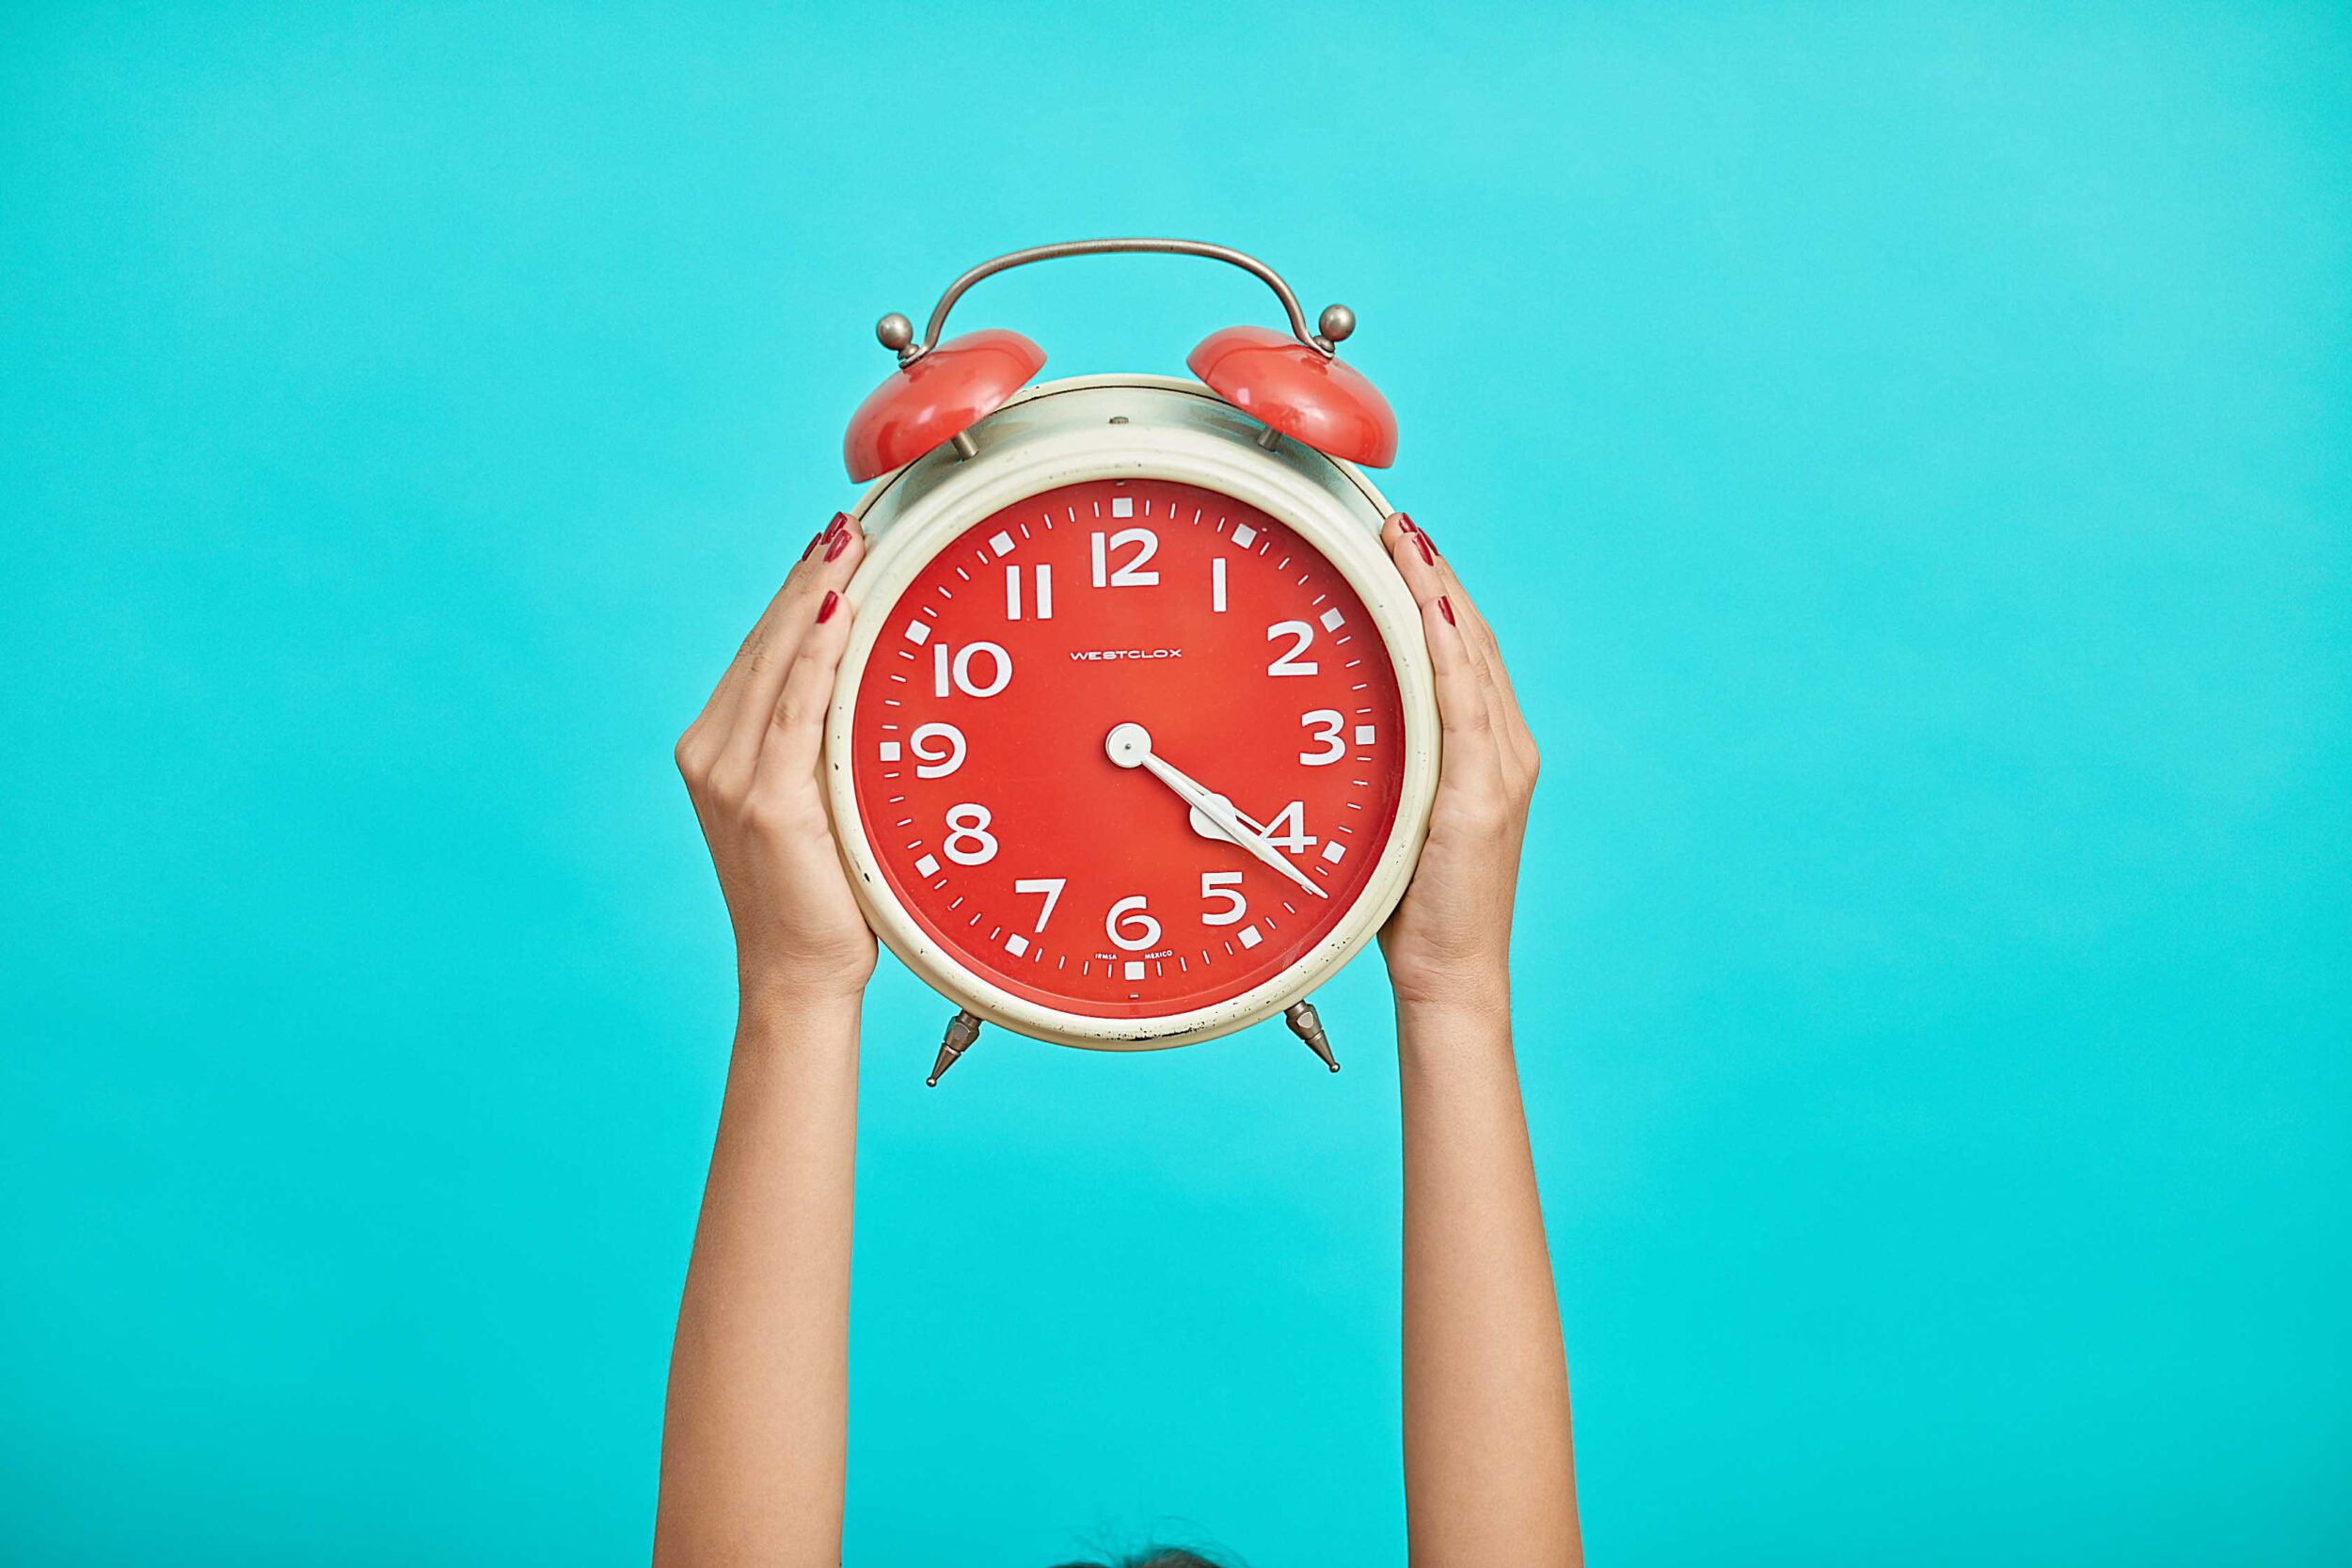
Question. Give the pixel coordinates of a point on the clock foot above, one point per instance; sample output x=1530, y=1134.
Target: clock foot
x=1269, y=437
x=963, y=1030
x=1306, y=1026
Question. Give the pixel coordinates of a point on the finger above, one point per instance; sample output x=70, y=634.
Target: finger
x=796, y=726
x=723, y=695
x=1508, y=713
x=1474, y=626
x=1426, y=575
x=1481, y=634
x=1470, y=760
x=699, y=748
x=825, y=569
x=760, y=652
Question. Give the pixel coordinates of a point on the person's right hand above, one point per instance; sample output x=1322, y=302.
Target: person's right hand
x=753, y=762
x=1450, y=940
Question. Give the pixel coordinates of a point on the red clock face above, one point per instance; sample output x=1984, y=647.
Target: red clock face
x=1079, y=711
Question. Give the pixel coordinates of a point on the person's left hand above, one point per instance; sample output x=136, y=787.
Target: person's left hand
x=753, y=762
x=1450, y=940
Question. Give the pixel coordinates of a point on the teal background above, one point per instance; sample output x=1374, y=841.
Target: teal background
x=1907, y=451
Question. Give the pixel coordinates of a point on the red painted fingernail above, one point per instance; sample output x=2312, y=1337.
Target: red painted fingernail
x=833, y=600
x=840, y=542
x=1426, y=553
x=1405, y=523
x=813, y=540
x=1444, y=608
x=840, y=523
x=1426, y=537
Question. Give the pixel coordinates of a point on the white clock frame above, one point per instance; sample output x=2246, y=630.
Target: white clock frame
x=1131, y=426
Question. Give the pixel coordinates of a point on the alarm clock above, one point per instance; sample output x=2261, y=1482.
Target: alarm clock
x=1134, y=739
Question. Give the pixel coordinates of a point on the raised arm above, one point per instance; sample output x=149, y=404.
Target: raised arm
x=1489, y=1469
x=753, y=1440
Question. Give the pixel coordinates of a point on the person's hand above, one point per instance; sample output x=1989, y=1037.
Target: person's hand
x=754, y=762
x=1450, y=941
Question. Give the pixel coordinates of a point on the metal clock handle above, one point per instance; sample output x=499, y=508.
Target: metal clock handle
x=897, y=333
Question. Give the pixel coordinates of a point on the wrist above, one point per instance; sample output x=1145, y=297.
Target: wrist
x=1470, y=989
x=1469, y=1014
x=769, y=1014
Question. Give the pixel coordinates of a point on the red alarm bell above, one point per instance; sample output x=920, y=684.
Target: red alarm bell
x=1311, y=396
x=937, y=397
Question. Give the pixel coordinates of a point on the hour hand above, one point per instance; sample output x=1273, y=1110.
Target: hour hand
x=1130, y=746
x=1215, y=834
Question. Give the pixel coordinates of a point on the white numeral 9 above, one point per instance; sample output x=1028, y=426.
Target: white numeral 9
x=936, y=763
x=1329, y=724
x=1290, y=663
x=1129, y=926
x=959, y=669
x=969, y=842
x=1225, y=885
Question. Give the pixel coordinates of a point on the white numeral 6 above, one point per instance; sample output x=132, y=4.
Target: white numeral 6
x=1128, y=927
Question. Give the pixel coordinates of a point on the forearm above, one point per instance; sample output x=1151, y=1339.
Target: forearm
x=755, y=1433
x=1490, y=1473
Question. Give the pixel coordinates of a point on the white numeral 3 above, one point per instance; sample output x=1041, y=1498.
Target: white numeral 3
x=1328, y=723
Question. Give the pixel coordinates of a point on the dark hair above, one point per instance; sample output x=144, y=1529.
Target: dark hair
x=1161, y=1556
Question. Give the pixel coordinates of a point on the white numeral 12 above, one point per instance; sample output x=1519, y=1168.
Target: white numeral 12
x=1131, y=575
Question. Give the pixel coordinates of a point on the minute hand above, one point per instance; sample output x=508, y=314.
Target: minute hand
x=1227, y=820
x=1130, y=746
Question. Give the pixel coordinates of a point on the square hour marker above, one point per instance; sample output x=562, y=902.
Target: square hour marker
x=1333, y=619
x=1123, y=506
x=1244, y=534
x=1333, y=850
x=1001, y=544
x=1363, y=735
x=887, y=750
x=1249, y=937
x=1016, y=945
x=927, y=867
x=917, y=631
x=1135, y=969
